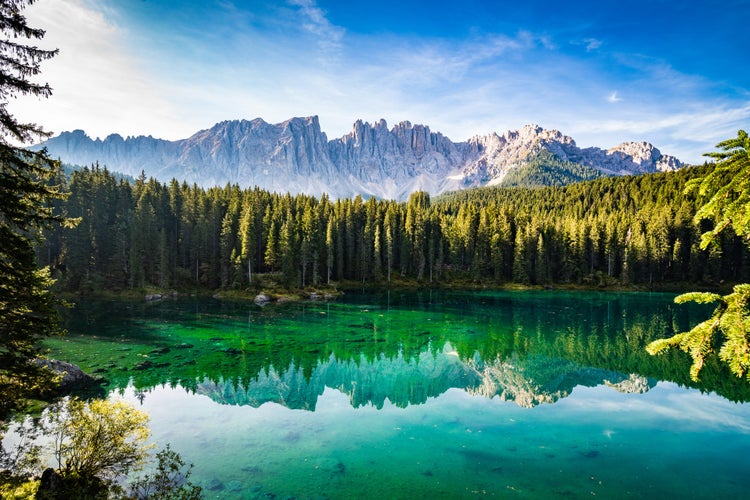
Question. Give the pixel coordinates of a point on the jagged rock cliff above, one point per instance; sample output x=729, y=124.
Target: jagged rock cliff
x=296, y=156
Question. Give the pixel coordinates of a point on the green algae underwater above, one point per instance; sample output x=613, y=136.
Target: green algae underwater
x=533, y=394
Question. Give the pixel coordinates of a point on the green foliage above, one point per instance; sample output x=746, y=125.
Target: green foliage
x=727, y=189
x=100, y=438
x=27, y=193
x=22, y=491
x=96, y=444
x=727, y=331
x=637, y=231
x=548, y=170
x=699, y=297
x=734, y=323
x=168, y=481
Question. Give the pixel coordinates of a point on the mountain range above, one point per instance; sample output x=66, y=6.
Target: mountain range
x=372, y=160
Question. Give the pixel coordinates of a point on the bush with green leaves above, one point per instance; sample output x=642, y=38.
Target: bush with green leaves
x=96, y=445
x=169, y=480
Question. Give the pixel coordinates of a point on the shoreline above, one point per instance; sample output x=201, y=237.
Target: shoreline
x=276, y=294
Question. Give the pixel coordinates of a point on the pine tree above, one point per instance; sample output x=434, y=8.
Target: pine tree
x=247, y=236
x=289, y=250
x=727, y=189
x=388, y=230
x=727, y=331
x=26, y=305
x=329, y=250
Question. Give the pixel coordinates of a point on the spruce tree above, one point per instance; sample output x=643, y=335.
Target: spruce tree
x=727, y=191
x=26, y=306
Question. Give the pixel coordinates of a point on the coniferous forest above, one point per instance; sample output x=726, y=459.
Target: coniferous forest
x=633, y=231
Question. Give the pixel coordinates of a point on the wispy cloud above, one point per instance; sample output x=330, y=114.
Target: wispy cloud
x=96, y=84
x=592, y=44
x=315, y=21
x=687, y=132
x=291, y=60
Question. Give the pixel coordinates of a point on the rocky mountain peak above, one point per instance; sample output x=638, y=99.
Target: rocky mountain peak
x=371, y=160
x=646, y=156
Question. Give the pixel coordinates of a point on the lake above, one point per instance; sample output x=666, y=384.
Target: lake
x=538, y=394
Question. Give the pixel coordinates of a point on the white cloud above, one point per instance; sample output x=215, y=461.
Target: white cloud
x=315, y=21
x=688, y=133
x=96, y=84
x=112, y=77
x=592, y=44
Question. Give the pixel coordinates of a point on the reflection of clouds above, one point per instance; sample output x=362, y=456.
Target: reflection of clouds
x=458, y=437
x=667, y=406
x=705, y=409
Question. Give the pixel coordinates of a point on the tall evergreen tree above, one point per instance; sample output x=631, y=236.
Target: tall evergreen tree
x=26, y=305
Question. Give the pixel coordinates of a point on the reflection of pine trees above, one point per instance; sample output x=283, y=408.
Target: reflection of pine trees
x=528, y=348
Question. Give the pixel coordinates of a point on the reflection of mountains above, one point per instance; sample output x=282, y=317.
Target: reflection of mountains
x=528, y=381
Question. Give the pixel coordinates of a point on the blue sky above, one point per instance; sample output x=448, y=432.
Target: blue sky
x=672, y=73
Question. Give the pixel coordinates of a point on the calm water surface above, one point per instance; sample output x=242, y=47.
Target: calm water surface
x=425, y=395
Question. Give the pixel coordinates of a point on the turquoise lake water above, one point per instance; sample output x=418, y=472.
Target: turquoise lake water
x=425, y=395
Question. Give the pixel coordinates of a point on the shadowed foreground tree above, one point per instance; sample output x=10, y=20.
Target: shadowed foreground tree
x=96, y=445
x=727, y=331
x=26, y=306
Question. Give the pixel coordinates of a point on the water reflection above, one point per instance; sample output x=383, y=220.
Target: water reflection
x=529, y=348
x=408, y=395
x=526, y=381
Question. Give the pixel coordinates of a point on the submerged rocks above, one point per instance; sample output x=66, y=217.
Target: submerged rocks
x=231, y=350
x=214, y=485
x=235, y=486
x=144, y=365
x=148, y=364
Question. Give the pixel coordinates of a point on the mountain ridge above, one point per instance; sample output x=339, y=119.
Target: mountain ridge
x=372, y=160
